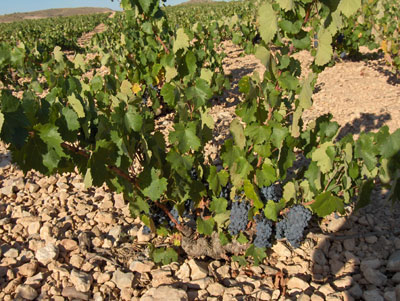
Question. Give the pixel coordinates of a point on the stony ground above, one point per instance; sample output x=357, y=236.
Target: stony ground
x=60, y=241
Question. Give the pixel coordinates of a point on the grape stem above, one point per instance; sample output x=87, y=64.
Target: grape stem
x=113, y=168
x=162, y=44
x=184, y=230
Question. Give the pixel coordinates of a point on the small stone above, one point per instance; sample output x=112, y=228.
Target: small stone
x=103, y=278
x=122, y=280
x=344, y=282
x=370, y=263
x=372, y=295
x=98, y=297
x=46, y=254
x=115, y=234
x=389, y=296
x=224, y=272
x=199, y=269
x=264, y=295
x=163, y=293
x=11, y=253
x=336, y=224
x=76, y=261
x=216, y=289
x=396, y=277
x=296, y=282
x=26, y=292
x=371, y=239
x=393, y=263
x=141, y=267
x=81, y=280
x=374, y=277
x=318, y=257
x=349, y=244
x=28, y=269
x=200, y=283
x=119, y=201
x=356, y=291
x=276, y=294
x=69, y=244
x=35, y=280
x=71, y=293
x=104, y=218
x=34, y=228
x=183, y=272
x=326, y=289
x=280, y=249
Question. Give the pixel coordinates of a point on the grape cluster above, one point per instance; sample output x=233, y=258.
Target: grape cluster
x=193, y=174
x=160, y=218
x=273, y=192
x=226, y=192
x=293, y=225
x=238, y=217
x=264, y=231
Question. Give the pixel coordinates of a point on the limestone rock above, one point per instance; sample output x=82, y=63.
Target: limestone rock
x=26, y=292
x=46, y=254
x=81, y=280
x=122, y=280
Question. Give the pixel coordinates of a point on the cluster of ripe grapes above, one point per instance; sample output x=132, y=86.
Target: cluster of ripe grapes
x=291, y=226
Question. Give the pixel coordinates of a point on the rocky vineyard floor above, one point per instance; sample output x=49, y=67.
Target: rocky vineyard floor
x=60, y=241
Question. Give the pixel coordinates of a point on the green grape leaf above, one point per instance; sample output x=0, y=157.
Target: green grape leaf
x=286, y=4
x=326, y=203
x=366, y=150
x=1, y=121
x=190, y=60
x=181, y=41
x=164, y=255
x=50, y=135
x=205, y=227
x=244, y=84
x=170, y=94
x=200, y=92
x=307, y=92
x=76, y=104
x=206, y=74
x=263, y=55
x=268, y=22
x=349, y=7
x=170, y=73
x=279, y=134
x=157, y=186
x=88, y=180
x=58, y=54
x=71, y=119
x=185, y=137
x=325, y=50
x=79, y=62
x=242, y=239
x=181, y=164
x=133, y=120
x=251, y=194
x=289, y=191
x=223, y=239
x=391, y=145
x=258, y=254
x=9, y=103
x=273, y=209
x=320, y=155
x=217, y=179
x=237, y=131
x=240, y=259
x=218, y=205
x=364, y=195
